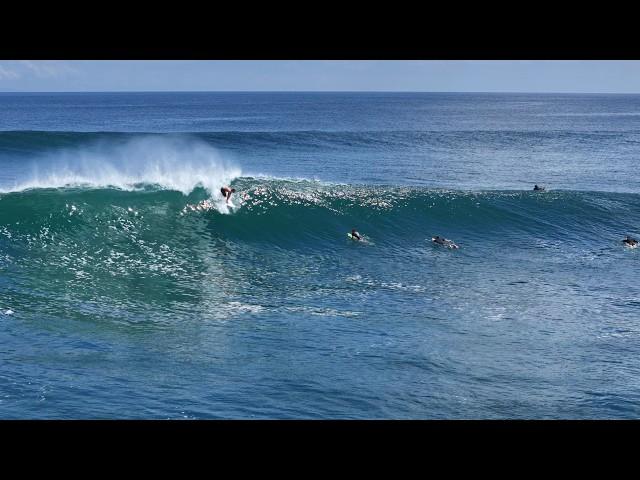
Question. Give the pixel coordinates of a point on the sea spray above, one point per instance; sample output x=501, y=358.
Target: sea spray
x=174, y=162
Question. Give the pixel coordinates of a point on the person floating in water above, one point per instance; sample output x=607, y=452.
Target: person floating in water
x=444, y=242
x=632, y=242
x=536, y=188
x=226, y=192
x=355, y=234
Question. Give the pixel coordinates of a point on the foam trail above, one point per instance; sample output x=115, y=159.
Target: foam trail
x=172, y=162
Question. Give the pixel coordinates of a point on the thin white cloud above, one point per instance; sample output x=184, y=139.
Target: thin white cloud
x=8, y=74
x=49, y=68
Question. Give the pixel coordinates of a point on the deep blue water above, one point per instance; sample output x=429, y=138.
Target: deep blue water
x=129, y=290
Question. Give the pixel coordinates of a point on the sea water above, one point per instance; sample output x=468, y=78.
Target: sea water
x=129, y=289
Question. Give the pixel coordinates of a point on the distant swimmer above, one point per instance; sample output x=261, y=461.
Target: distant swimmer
x=630, y=242
x=537, y=188
x=355, y=235
x=444, y=242
x=226, y=192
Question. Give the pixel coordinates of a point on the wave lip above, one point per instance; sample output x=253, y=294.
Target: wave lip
x=180, y=163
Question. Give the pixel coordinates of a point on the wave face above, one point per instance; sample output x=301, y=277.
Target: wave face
x=297, y=211
x=93, y=242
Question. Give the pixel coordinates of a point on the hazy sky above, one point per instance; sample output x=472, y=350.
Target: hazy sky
x=245, y=75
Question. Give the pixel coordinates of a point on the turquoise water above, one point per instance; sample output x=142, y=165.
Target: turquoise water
x=128, y=289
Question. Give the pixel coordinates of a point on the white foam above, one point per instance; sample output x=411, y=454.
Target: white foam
x=237, y=307
x=217, y=203
x=174, y=163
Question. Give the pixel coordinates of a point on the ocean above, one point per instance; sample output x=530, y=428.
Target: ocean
x=130, y=290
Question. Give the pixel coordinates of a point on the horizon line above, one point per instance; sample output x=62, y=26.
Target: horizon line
x=321, y=91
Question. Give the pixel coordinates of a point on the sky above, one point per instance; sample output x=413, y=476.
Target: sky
x=553, y=76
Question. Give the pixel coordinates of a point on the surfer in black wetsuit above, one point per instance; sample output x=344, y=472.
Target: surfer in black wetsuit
x=226, y=192
x=632, y=242
x=536, y=188
x=438, y=239
x=355, y=234
x=444, y=242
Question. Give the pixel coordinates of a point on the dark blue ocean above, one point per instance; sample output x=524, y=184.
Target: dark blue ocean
x=129, y=289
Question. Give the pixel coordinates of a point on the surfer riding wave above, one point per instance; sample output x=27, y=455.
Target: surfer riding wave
x=226, y=192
